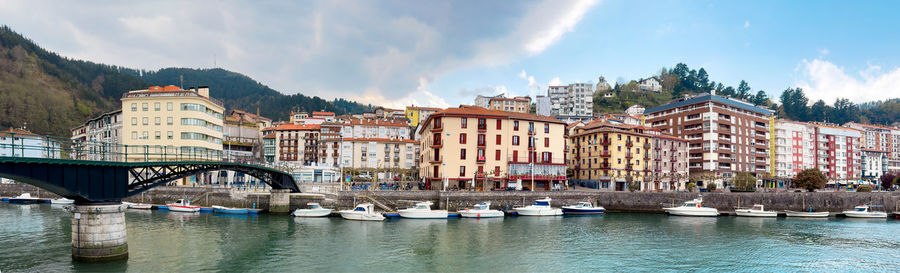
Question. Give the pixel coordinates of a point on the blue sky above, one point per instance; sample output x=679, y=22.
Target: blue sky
x=398, y=53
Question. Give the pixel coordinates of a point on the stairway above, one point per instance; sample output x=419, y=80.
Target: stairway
x=372, y=197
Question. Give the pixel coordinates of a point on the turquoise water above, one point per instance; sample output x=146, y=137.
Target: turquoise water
x=36, y=238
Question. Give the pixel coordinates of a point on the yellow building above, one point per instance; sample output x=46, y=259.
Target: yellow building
x=162, y=122
x=418, y=114
x=474, y=148
x=611, y=155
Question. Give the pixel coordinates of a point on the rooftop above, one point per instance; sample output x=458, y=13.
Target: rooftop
x=705, y=98
x=468, y=110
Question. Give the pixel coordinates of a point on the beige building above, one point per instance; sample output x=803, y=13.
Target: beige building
x=516, y=104
x=474, y=148
x=168, y=122
x=293, y=143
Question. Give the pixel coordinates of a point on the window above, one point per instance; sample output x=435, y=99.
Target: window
x=546, y=128
x=436, y=139
x=499, y=125
x=480, y=154
x=515, y=125
x=169, y=121
x=515, y=157
x=462, y=138
x=169, y=106
x=169, y=135
x=497, y=155
x=462, y=170
x=545, y=157
x=144, y=106
x=497, y=170
x=462, y=154
x=156, y=106
x=515, y=140
x=134, y=135
x=531, y=127
x=482, y=124
x=133, y=121
x=464, y=122
x=134, y=107
x=498, y=139
x=157, y=121
x=481, y=141
x=145, y=121
x=437, y=123
x=156, y=135
x=546, y=142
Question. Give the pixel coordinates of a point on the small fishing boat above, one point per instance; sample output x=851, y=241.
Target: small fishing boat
x=896, y=215
x=808, y=214
x=62, y=201
x=182, y=205
x=540, y=207
x=138, y=205
x=362, y=212
x=583, y=208
x=313, y=210
x=756, y=211
x=482, y=210
x=228, y=210
x=24, y=198
x=866, y=211
x=693, y=208
x=422, y=210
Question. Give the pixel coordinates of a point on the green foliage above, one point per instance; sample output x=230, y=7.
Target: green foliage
x=634, y=186
x=810, y=179
x=888, y=180
x=744, y=182
x=711, y=186
x=690, y=186
x=864, y=188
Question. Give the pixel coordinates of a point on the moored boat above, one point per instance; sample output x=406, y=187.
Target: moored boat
x=540, y=207
x=583, y=208
x=756, y=211
x=62, y=201
x=362, y=212
x=482, y=210
x=138, y=205
x=182, y=205
x=422, y=210
x=866, y=211
x=312, y=210
x=808, y=214
x=693, y=208
x=228, y=210
x=24, y=198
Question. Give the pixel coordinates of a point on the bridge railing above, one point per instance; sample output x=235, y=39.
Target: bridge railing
x=24, y=145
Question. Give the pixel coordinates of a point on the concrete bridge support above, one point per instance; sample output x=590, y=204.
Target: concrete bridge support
x=280, y=201
x=98, y=232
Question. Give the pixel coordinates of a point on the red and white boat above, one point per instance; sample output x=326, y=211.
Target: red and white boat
x=183, y=206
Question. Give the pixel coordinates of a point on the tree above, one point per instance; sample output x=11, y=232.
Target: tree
x=793, y=104
x=887, y=180
x=744, y=181
x=810, y=179
x=743, y=90
x=703, y=80
x=819, y=111
x=761, y=98
x=844, y=111
x=711, y=187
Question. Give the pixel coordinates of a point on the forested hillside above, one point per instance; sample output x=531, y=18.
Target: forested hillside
x=52, y=93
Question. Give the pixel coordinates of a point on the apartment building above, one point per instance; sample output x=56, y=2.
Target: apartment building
x=874, y=164
x=613, y=156
x=838, y=152
x=99, y=137
x=292, y=143
x=517, y=104
x=542, y=105
x=161, y=121
x=474, y=148
x=881, y=138
x=22, y=143
x=725, y=136
x=795, y=148
x=417, y=114
x=571, y=102
x=368, y=145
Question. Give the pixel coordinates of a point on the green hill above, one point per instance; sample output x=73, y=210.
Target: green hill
x=52, y=93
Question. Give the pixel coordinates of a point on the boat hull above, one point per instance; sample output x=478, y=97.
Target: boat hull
x=539, y=212
x=856, y=214
x=62, y=201
x=227, y=210
x=182, y=208
x=140, y=206
x=750, y=213
x=311, y=212
x=583, y=211
x=481, y=213
x=815, y=214
x=710, y=212
x=361, y=216
x=425, y=214
x=24, y=200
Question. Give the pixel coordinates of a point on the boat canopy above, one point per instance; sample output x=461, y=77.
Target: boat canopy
x=360, y=208
x=541, y=203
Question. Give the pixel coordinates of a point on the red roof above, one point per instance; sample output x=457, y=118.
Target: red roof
x=423, y=108
x=470, y=111
x=294, y=127
x=269, y=136
x=330, y=114
x=377, y=122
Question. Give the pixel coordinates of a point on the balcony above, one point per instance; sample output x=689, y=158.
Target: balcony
x=433, y=161
x=629, y=167
x=482, y=128
x=604, y=142
x=647, y=145
x=646, y=156
x=629, y=143
x=482, y=144
x=628, y=155
x=604, y=153
x=657, y=148
x=604, y=166
x=480, y=160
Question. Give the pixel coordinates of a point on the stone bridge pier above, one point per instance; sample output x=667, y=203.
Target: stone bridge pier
x=98, y=232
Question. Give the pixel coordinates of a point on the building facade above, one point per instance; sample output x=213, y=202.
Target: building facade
x=163, y=121
x=418, y=114
x=795, y=148
x=881, y=138
x=243, y=135
x=99, y=138
x=572, y=102
x=542, y=106
x=874, y=164
x=838, y=153
x=725, y=136
x=22, y=143
x=516, y=104
x=295, y=144
x=474, y=148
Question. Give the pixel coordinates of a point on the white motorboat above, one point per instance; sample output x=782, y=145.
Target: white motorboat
x=692, y=208
x=865, y=211
x=482, y=210
x=312, y=210
x=24, y=198
x=362, y=212
x=806, y=214
x=540, y=207
x=137, y=205
x=422, y=210
x=583, y=208
x=182, y=205
x=62, y=201
x=756, y=211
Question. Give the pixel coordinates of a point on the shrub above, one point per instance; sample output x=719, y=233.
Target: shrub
x=864, y=188
x=810, y=179
x=690, y=186
x=711, y=186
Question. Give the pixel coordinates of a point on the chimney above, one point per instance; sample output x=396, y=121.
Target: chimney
x=203, y=91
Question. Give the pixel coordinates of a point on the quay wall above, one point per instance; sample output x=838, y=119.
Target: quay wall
x=613, y=201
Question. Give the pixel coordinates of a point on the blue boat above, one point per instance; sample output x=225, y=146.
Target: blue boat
x=25, y=198
x=583, y=208
x=227, y=210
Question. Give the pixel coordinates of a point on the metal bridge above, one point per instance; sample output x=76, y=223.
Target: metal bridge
x=98, y=172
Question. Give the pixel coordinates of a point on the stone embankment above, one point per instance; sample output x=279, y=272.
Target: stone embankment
x=612, y=201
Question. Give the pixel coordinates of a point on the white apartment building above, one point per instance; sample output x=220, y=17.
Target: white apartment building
x=572, y=102
x=794, y=148
x=650, y=84
x=99, y=136
x=874, y=164
x=368, y=144
x=542, y=106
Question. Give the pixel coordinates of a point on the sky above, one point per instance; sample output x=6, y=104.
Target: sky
x=444, y=53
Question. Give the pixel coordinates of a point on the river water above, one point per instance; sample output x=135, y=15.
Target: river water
x=36, y=238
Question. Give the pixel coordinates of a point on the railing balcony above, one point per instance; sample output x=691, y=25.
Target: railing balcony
x=628, y=155
x=604, y=141
x=480, y=160
x=629, y=143
x=604, y=153
x=646, y=145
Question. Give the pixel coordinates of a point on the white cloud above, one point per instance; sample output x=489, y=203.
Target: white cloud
x=824, y=51
x=824, y=80
x=555, y=82
x=746, y=24
x=523, y=75
x=533, y=88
